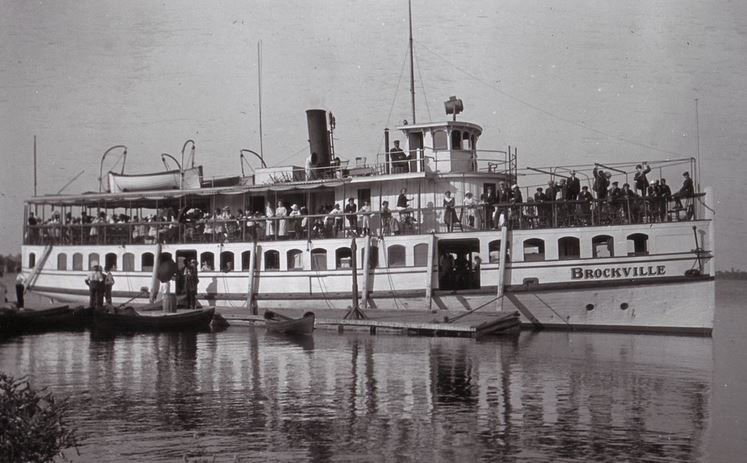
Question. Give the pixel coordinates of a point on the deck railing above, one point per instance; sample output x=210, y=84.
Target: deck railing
x=410, y=221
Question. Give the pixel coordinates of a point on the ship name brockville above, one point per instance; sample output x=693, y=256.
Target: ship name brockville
x=578, y=273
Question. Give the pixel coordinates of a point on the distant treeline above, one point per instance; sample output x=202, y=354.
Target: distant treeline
x=9, y=263
x=731, y=274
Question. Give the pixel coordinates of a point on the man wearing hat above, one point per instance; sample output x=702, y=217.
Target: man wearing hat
x=601, y=182
x=687, y=190
x=516, y=199
x=350, y=209
x=587, y=198
x=572, y=187
x=639, y=179
x=539, y=198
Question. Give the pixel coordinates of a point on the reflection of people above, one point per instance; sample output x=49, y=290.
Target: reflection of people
x=20, y=282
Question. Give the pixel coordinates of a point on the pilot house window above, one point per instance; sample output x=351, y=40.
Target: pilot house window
x=440, y=140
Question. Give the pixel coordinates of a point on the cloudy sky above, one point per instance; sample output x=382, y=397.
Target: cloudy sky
x=573, y=82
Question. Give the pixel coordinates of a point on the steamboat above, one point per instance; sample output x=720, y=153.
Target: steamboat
x=283, y=236
x=435, y=223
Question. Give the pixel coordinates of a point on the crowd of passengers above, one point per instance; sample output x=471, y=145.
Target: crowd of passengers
x=565, y=203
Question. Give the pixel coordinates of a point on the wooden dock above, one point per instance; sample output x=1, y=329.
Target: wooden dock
x=433, y=323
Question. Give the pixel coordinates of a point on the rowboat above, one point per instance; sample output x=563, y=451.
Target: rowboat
x=62, y=317
x=188, y=179
x=277, y=323
x=507, y=323
x=128, y=319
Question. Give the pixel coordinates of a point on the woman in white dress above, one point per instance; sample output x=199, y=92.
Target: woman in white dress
x=269, y=223
x=282, y=212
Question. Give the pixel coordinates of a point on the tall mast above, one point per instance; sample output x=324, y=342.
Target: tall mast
x=697, y=137
x=34, y=165
x=412, y=66
x=259, y=82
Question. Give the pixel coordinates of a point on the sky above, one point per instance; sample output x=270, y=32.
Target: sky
x=573, y=82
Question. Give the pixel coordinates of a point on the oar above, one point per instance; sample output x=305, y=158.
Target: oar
x=142, y=291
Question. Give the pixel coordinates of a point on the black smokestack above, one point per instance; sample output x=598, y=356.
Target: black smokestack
x=318, y=137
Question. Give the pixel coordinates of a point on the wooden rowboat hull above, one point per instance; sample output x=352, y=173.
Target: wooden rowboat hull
x=192, y=320
x=281, y=324
x=54, y=318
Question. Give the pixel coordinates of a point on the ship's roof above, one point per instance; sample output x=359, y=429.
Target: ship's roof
x=430, y=125
x=158, y=195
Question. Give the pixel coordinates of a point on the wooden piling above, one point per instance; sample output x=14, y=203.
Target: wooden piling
x=366, y=269
x=429, y=272
x=250, y=290
x=501, y=265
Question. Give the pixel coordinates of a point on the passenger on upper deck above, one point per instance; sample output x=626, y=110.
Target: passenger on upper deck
x=350, y=209
x=573, y=187
x=281, y=212
x=639, y=179
x=33, y=232
x=398, y=159
x=450, y=216
x=601, y=182
x=585, y=196
x=365, y=212
x=402, y=199
x=386, y=219
x=470, y=203
x=686, y=191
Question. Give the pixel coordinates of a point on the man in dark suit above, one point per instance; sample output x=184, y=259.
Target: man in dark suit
x=639, y=179
x=572, y=187
x=601, y=182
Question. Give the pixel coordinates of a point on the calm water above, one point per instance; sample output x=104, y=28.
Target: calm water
x=542, y=397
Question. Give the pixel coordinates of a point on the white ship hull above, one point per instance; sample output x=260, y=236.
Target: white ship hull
x=652, y=292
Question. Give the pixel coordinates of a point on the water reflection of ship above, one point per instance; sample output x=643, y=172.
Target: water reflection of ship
x=563, y=395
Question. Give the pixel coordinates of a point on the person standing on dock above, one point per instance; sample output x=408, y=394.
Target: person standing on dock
x=95, y=282
x=20, y=287
x=108, y=285
x=190, y=283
